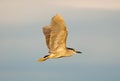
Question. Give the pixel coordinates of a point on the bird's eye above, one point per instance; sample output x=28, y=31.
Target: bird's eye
x=73, y=50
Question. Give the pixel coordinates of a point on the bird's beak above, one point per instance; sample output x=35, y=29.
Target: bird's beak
x=78, y=52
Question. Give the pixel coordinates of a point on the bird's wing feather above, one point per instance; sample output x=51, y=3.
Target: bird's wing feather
x=46, y=31
x=58, y=34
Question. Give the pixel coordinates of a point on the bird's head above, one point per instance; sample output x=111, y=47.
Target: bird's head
x=73, y=50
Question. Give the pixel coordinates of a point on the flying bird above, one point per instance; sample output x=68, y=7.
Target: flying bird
x=56, y=35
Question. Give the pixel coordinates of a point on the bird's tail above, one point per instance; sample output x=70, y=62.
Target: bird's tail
x=43, y=58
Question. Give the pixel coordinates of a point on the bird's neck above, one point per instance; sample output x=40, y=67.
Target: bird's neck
x=69, y=52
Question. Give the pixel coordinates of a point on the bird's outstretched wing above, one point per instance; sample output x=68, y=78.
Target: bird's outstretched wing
x=46, y=31
x=58, y=34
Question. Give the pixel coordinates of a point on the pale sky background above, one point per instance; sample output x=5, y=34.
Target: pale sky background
x=94, y=28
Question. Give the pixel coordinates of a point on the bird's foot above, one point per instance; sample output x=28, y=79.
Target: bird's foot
x=43, y=58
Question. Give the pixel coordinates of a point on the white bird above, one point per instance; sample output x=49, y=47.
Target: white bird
x=56, y=35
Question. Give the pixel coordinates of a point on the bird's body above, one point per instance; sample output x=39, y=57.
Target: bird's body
x=56, y=35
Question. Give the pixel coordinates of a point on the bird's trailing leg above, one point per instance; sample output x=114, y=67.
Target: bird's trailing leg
x=43, y=58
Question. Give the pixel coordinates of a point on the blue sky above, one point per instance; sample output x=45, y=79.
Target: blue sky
x=94, y=28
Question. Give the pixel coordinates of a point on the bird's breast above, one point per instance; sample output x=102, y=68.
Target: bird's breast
x=58, y=53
